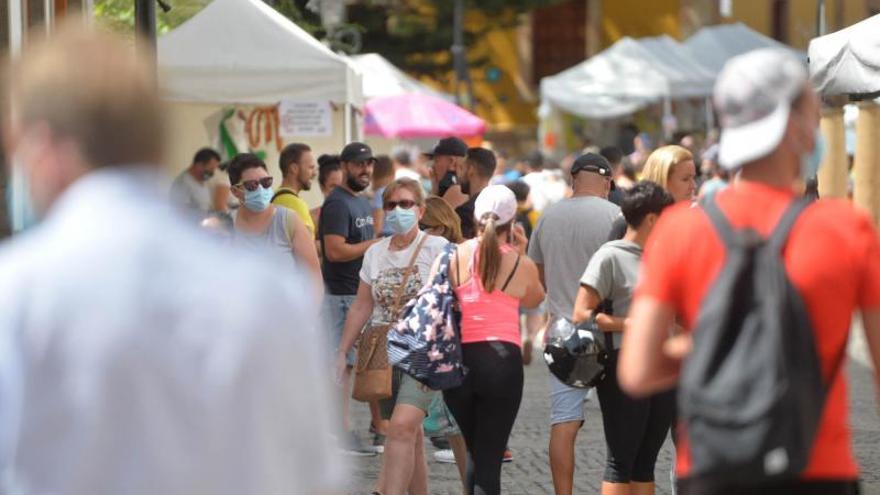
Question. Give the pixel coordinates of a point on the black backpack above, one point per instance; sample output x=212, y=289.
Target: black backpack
x=751, y=392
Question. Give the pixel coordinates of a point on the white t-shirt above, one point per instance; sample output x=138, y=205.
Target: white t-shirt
x=546, y=188
x=383, y=271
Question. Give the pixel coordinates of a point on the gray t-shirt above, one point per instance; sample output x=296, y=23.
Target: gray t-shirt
x=613, y=272
x=567, y=235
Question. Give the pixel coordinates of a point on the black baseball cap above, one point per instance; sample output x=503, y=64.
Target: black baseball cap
x=451, y=146
x=591, y=162
x=357, y=152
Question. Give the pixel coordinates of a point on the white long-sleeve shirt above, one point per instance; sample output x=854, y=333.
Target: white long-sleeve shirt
x=138, y=357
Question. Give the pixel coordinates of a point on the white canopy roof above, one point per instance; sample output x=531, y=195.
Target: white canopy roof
x=382, y=78
x=625, y=77
x=243, y=51
x=848, y=61
x=713, y=46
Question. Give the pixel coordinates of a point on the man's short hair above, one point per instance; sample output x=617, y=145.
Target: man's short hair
x=403, y=157
x=382, y=168
x=520, y=190
x=292, y=153
x=242, y=162
x=327, y=164
x=612, y=154
x=483, y=161
x=205, y=155
x=91, y=87
x=643, y=199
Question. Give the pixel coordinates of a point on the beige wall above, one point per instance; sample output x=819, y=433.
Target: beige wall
x=187, y=133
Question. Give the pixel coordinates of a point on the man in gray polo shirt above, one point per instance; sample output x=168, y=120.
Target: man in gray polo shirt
x=567, y=235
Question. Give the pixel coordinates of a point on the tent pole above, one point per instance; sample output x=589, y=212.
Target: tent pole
x=867, y=157
x=710, y=115
x=347, y=123
x=834, y=172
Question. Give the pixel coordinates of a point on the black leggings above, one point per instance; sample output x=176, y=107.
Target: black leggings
x=485, y=407
x=635, y=429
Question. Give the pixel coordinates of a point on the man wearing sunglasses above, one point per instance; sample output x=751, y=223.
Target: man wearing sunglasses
x=345, y=232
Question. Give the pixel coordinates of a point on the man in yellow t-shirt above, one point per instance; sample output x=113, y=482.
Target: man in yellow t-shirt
x=298, y=169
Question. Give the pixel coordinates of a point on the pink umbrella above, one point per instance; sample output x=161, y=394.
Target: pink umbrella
x=415, y=115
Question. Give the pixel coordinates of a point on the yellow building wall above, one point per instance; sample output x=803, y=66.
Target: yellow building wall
x=639, y=18
x=758, y=14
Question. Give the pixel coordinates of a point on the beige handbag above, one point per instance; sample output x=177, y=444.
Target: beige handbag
x=372, y=379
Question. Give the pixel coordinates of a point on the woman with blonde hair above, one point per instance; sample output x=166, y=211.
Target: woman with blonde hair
x=440, y=219
x=393, y=271
x=673, y=168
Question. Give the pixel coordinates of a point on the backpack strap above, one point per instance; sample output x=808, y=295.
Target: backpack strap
x=779, y=236
x=719, y=221
x=288, y=225
x=282, y=192
x=398, y=297
x=512, y=273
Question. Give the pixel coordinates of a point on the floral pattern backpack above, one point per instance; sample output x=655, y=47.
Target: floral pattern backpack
x=426, y=342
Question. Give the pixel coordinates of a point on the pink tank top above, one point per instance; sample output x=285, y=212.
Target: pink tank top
x=487, y=316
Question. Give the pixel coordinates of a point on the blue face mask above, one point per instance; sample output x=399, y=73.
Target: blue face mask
x=20, y=204
x=811, y=162
x=401, y=221
x=258, y=200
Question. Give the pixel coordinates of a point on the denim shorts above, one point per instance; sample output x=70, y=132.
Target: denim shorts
x=335, y=310
x=567, y=403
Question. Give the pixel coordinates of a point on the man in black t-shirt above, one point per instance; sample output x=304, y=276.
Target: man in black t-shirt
x=345, y=233
x=475, y=174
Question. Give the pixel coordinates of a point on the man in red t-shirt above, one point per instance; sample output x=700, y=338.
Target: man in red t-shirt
x=769, y=115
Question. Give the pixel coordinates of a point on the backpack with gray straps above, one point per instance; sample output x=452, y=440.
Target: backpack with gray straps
x=751, y=392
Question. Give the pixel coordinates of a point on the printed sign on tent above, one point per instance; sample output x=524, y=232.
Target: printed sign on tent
x=305, y=118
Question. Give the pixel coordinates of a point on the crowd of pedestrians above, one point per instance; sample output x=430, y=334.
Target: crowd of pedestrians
x=654, y=253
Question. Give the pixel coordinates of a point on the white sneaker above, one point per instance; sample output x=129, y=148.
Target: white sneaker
x=444, y=456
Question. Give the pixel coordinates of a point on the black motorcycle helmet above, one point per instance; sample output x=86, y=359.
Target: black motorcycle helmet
x=575, y=355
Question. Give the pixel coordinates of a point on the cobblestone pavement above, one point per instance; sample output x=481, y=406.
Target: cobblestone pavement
x=529, y=474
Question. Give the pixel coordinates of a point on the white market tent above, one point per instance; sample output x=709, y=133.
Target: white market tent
x=382, y=78
x=625, y=77
x=847, y=62
x=245, y=52
x=713, y=46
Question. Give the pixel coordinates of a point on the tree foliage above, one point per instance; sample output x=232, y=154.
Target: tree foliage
x=415, y=35
x=118, y=15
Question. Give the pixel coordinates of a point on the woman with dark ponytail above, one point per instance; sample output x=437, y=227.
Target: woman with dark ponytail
x=492, y=278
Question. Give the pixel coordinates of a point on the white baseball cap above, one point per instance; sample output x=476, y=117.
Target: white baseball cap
x=753, y=96
x=498, y=200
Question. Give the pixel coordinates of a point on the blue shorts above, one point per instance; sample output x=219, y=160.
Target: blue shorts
x=566, y=403
x=335, y=311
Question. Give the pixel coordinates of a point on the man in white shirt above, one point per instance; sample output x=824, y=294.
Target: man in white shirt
x=121, y=371
x=402, y=162
x=192, y=189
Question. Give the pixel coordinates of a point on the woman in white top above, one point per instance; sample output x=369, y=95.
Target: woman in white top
x=377, y=302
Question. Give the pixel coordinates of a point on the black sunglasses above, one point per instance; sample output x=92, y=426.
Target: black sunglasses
x=251, y=185
x=403, y=203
